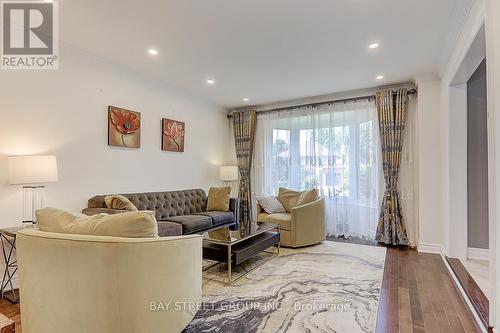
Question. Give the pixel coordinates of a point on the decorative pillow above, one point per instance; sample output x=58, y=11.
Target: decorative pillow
x=271, y=205
x=118, y=201
x=288, y=198
x=53, y=219
x=307, y=196
x=218, y=199
x=220, y=234
x=139, y=224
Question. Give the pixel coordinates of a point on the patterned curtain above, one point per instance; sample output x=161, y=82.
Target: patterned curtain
x=392, y=110
x=244, y=134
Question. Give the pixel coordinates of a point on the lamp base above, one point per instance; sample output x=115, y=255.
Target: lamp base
x=32, y=201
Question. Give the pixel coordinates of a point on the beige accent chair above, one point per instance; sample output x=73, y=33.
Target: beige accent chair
x=304, y=226
x=79, y=284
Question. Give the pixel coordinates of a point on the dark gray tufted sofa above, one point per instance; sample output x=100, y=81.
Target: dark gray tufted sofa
x=177, y=212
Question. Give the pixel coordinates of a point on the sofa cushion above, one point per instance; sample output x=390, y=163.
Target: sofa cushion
x=166, y=228
x=283, y=219
x=219, y=217
x=191, y=223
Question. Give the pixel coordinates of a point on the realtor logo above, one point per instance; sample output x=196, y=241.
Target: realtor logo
x=29, y=35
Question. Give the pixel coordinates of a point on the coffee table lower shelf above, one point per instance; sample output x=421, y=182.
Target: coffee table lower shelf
x=235, y=254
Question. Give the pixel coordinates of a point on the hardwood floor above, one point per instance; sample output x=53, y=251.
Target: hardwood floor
x=418, y=295
x=12, y=311
x=476, y=295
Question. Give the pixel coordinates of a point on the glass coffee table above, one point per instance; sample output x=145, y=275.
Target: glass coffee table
x=233, y=248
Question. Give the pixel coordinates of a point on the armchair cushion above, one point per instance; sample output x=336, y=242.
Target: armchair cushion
x=129, y=224
x=283, y=219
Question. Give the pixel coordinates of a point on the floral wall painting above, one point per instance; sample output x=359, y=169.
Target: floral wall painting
x=124, y=128
x=173, y=133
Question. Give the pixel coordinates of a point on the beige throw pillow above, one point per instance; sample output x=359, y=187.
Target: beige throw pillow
x=53, y=219
x=118, y=201
x=291, y=199
x=288, y=198
x=308, y=196
x=140, y=224
x=218, y=198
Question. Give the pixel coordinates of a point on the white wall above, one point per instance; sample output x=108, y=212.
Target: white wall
x=493, y=74
x=430, y=206
x=64, y=112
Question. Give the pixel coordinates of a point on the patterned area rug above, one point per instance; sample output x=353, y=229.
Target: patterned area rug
x=330, y=287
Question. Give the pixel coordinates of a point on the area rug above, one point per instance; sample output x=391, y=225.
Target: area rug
x=330, y=287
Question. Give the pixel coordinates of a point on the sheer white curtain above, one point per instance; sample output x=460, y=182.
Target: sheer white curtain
x=332, y=147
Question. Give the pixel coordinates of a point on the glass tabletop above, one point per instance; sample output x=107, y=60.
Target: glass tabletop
x=225, y=236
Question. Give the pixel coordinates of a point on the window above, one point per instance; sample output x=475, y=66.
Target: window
x=333, y=148
x=324, y=159
x=281, y=157
x=365, y=158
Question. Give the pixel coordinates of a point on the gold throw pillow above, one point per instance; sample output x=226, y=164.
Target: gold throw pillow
x=218, y=198
x=308, y=196
x=118, y=201
x=288, y=198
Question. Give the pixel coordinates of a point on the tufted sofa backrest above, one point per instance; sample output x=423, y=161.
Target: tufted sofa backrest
x=164, y=204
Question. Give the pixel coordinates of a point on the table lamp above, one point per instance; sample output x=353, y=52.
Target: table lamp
x=228, y=174
x=32, y=171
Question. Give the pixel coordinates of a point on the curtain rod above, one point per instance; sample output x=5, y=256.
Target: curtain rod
x=343, y=100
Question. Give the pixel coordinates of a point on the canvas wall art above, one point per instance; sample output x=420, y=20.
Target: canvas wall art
x=124, y=128
x=173, y=133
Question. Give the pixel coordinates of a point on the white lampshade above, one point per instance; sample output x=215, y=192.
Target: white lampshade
x=228, y=173
x=31, y=169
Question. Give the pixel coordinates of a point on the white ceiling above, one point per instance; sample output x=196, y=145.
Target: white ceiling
x=268, y=50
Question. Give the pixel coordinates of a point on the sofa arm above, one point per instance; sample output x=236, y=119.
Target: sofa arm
x=309, y=223
x=234, y=206
x=94, y=211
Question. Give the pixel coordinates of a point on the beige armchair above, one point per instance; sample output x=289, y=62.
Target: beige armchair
x=80, y=284
x=304, y=226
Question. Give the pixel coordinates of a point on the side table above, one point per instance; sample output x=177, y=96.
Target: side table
x=8, y=240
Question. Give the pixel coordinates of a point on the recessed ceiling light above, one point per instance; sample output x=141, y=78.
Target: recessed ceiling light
x=245, y=99
x=153, y=52
x=373, y=45
x=210, y=82
x=48, y=1
x=379, y=77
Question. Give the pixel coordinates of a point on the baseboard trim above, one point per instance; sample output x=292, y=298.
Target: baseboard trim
x=478, y=254
x=430, y=248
